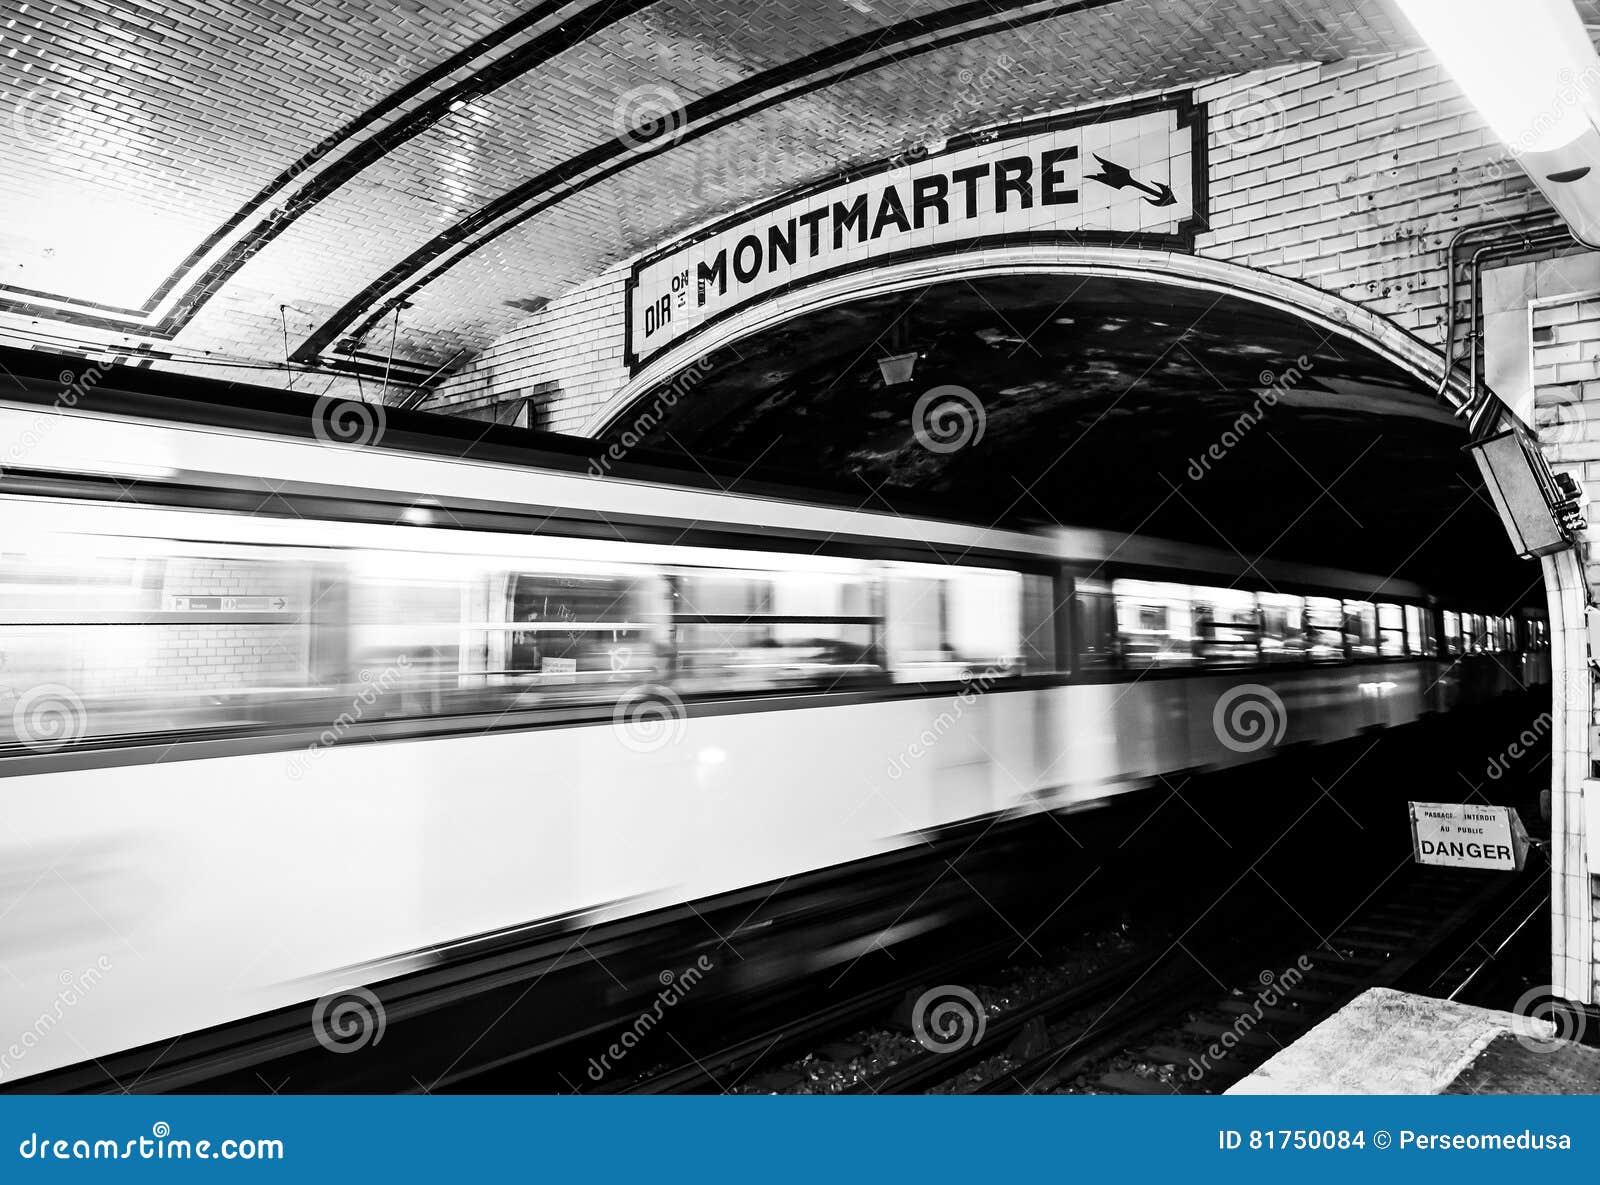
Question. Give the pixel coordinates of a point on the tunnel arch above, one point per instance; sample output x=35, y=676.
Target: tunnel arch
x=1292, y=296
x=1566, y=589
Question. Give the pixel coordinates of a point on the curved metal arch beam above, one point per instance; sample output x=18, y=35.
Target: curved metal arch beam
x=1334, y=313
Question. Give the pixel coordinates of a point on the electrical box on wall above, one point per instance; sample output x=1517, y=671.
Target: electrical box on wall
x=1536, y=514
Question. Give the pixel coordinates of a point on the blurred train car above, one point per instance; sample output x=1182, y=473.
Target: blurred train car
x=275, y=724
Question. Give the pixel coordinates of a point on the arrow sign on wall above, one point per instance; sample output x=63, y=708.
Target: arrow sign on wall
x=1117, y=177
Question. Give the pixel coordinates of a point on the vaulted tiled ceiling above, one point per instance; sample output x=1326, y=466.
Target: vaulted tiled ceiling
x=240, y=181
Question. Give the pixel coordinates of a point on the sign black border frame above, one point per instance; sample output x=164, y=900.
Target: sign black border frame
x=1190, y=115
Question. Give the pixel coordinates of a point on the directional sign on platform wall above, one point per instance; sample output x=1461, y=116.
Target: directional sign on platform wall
x=269, y=603
x=1460, y=835
x=1131, y=175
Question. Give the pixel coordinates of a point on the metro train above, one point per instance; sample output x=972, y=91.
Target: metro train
x=275, y=726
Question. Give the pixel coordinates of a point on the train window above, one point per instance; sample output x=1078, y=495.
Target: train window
x=143, y=636
x=1095, y=623
x=1038, y=644
x=105, y=637
x=755, y=630
x=1283, y=627
x=1472, y=633
x=565, y=632
x=984, y=626
x=942, y=623
x=1361, y=628
x=1453, y=640
x=1391, y=631
x=399, y=623
x=1227, y=628
x=1154, y=623
x=1325, y=629
x=1415, y=640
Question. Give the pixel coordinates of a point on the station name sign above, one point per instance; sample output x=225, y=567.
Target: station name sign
x=1132, y=175
x=1459, y=835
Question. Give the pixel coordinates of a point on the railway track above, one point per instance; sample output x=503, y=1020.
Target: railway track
x=1135, y=1022
x=1138, y=1025
x=1150, y=1042
x=715, y=1072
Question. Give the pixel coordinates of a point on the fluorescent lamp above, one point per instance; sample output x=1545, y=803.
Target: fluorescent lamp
x=1531, y=70
x=1528, y=66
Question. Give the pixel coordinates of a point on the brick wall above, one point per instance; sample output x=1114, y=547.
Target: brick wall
x=203, y=657
x=568, y=356
x=1357, y=177
x=1350, y=176
x=129, y=665
x=1541, y=354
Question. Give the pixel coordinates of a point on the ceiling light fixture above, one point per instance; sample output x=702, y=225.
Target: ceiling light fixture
x=1531, y=71
x=896, y=368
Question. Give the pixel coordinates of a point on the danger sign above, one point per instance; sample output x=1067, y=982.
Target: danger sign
x=1460, y=835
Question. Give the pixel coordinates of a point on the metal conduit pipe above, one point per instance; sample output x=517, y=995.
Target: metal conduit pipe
x=1498, y=226
x=1533, y=242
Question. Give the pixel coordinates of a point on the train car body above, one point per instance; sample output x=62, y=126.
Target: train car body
x=268, y=735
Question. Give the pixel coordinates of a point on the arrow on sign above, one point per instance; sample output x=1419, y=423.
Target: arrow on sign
x=1117, y=177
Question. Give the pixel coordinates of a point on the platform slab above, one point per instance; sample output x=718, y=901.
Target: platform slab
x=1510, y=1066
x=1389, y=1042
